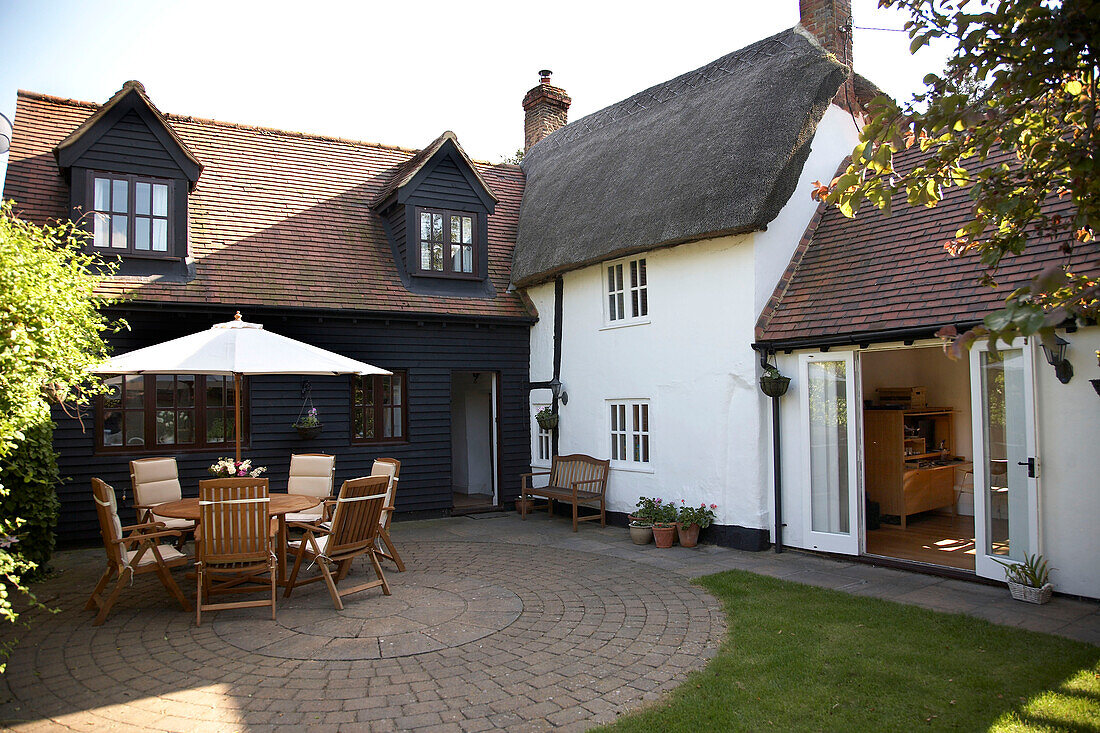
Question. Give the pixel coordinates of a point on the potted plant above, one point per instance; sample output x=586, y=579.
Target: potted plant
x=546, y=418
x=641, y=532
x=228, y=468
x=309, y=425
x=772, y=383
x=1029, y=580
x=646, y=510
x=692, y=519
x=663, y=533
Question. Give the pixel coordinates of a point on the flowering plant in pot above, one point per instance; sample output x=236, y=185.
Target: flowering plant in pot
x=1029, y=580
x=646, y=511
x=772, y=383
x=228, y=468
x=692, y=519
x=308, y=425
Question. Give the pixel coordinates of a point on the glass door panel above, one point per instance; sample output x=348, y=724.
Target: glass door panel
x=830, y=465
x=1006, y=491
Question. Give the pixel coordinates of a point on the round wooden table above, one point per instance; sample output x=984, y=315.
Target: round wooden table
x=279, y=506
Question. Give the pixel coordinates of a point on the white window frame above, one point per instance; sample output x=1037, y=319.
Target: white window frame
x=634, y=292
x=631, y=429
x=539, y=438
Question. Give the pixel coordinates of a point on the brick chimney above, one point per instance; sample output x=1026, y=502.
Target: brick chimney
x=546, y=109
x=831, y=22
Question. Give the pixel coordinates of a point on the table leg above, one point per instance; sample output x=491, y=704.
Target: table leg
x=281, y=551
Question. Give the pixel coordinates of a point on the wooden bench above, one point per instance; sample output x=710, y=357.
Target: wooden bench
x=577, y=479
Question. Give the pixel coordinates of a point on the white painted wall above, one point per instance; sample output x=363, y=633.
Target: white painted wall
x=1067, y=423
x=836, y=135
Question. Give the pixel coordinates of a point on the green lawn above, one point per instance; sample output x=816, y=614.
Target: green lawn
x=800, y=658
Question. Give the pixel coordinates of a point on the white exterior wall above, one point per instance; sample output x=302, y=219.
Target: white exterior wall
x=692, y=361
x=1067, y=426
x=705, y=417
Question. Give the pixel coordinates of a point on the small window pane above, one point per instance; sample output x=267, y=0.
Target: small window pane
x=185, y=391
x=118, y=231
x=437, y=227
x=644, y=308
x=102, y=194
x=437, y=257
x=425, y=255
x=166, y=394
x=142, y=198
x=634, y=304
x=387, y=427
x=357, y=420
x=112, y=428
x=160, y=235
x=467, y=259
x=456, y=257
x=113, y=398
x=467, y=230
x=456, y=229
x=119, y=197
x=425, y=225
x=368, y=390
x=102, y=230
x=135, y=428
x=387, y=391
x=214, y=426
x=141, y=233
x=620, y=307
x=645, y=449
x=641, y=273
x=215, y=392
x=135, y=392
x=166, y=427
x=185, y=427
x=397, y=423
x=368, y=424
x=160, y=199
x=395, y=386
x=357, y=394
x=610, y=279
x=645, y=418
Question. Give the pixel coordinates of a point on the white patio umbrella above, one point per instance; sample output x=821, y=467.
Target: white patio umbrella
x=236, y=348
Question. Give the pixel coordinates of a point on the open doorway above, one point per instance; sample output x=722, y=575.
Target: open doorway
x=918, y=457
x=473, y=442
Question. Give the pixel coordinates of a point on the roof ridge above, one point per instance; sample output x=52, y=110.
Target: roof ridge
x=235, y=125
x=667, y=90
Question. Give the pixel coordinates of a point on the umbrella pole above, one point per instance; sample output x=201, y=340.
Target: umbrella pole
x=237, y=412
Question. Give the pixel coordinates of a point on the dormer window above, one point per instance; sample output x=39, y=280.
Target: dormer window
x=130, y=214
x=447, y=242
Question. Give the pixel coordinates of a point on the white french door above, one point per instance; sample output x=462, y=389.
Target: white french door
x=1006, y=467
x=830, y=411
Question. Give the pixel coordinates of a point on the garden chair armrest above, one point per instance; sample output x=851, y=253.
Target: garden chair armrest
x=143, y=526
x=141, y=537
x=307, y=526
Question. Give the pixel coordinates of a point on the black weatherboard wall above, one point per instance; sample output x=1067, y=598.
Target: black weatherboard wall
x=428, y=348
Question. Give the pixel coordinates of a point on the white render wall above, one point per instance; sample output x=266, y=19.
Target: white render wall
x=1067, y=427
x=692, y=361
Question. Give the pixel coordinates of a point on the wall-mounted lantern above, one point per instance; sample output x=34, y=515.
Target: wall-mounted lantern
x=1056, y=356
x=556, y=390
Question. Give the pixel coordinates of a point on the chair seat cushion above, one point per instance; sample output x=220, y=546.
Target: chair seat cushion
x=309, y=515
x=166, y=552
x=322, y=543
x=184, y=525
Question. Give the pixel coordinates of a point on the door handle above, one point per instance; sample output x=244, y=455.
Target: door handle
x=1030, y=463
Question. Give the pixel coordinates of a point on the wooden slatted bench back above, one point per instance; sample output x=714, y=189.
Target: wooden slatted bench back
x=565, y=470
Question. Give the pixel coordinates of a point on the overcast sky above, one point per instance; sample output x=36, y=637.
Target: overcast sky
x=397, y=72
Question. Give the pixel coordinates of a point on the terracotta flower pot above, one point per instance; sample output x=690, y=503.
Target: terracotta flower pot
x=663, y=535
x=689, y=535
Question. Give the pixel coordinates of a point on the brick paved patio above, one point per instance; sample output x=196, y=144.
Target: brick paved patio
x=497, y=624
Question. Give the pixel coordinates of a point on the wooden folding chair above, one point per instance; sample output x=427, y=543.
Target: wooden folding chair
x=388, y=467
x=234, y=543
x=145, y=554
x=353, y=531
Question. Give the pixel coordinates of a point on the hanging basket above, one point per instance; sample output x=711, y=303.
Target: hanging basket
x=547, y=422
x=774, y=386
x=308, y=432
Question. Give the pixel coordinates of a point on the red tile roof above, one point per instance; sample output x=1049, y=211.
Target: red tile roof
x=277, y=219
x=874, y=274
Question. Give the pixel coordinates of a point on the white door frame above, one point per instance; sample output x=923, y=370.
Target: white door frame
x=494, y=436
x=984, y=564
x=850, y=542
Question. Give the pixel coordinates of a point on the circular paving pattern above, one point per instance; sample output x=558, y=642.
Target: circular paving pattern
x=477, y=635
x=426, y=612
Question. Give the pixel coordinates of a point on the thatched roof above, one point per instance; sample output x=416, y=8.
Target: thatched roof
x=714, y=151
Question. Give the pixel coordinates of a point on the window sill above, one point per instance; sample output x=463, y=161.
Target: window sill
x=373, y=443
x=446, y=275
x=167, y=450
x=632, y=468
x=626, y=324
x=133, y=255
